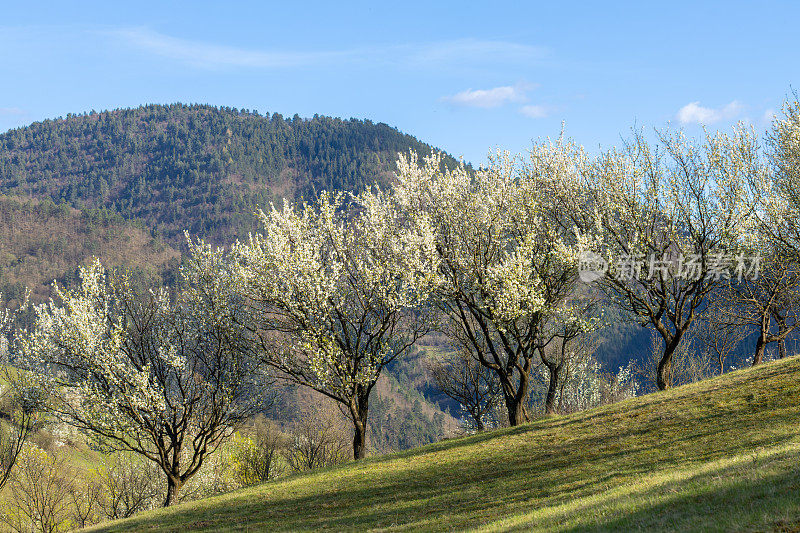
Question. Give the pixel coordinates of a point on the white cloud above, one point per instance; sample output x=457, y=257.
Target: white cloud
x=535, y=111
x=207, y=55
x=11, y=111
x=437, y=54
x=768, y=116
x=694, y=113
x=487, y=98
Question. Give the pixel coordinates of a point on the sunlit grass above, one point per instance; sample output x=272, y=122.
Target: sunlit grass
x=718, y=455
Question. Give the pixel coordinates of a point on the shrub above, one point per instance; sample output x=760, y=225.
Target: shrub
x=39, y=489
x=257, y=458
x=317, y=441
x=129, y=484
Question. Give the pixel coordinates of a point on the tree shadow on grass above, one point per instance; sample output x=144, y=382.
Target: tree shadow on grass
x=457, y=499
x=475, y=483
x=726, y=499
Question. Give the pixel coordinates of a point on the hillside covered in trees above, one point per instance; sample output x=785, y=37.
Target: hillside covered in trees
x=356, y=316
x=195, y=167
x=41, y=242
x=123, y=186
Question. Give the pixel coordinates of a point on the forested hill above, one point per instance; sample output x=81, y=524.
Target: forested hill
x=123, y=186
x=194, y=167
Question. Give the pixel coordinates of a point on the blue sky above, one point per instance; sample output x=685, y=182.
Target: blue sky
x=464, y=76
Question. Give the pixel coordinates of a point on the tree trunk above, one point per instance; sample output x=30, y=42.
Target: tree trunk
x=552, y=387
x=761, y=343
x=515, y=400
x=516, y=413
x=664, y=374
x=359, y=407
x=477, y=417
x=173, y=487
x=359, y=440
x=782, y=341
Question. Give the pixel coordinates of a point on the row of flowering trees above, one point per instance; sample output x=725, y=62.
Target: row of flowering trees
x=330, y=292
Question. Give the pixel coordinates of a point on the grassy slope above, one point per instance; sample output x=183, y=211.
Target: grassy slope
x=718, y=455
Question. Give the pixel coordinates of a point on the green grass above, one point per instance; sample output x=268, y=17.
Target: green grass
x=719, y=455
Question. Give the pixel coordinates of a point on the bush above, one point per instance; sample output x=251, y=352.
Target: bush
x=129, y=484
x=39, y=490
x=257, y=458
x=84, y=498
x=215, y=477
x=317, y=441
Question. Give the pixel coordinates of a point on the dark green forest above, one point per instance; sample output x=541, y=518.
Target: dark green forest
x=199, y=168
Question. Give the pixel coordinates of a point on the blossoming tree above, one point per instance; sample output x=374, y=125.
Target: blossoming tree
x=507, y=264
x=165, y=376
x=22, y=399
x=334, y=289
x=769, y=303
x=780, y=189
x=668, y=216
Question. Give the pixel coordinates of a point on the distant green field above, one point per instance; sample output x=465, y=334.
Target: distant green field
x=720, y=455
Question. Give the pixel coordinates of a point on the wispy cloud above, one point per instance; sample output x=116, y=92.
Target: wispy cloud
x=535, y=111
x=501, y=96
x=200, y=54
x=213, y=56
x=694, y=113
x=487, y=98
x=11, y=112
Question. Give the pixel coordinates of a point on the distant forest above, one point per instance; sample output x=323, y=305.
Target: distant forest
x=195, y=167
x=123, y=185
